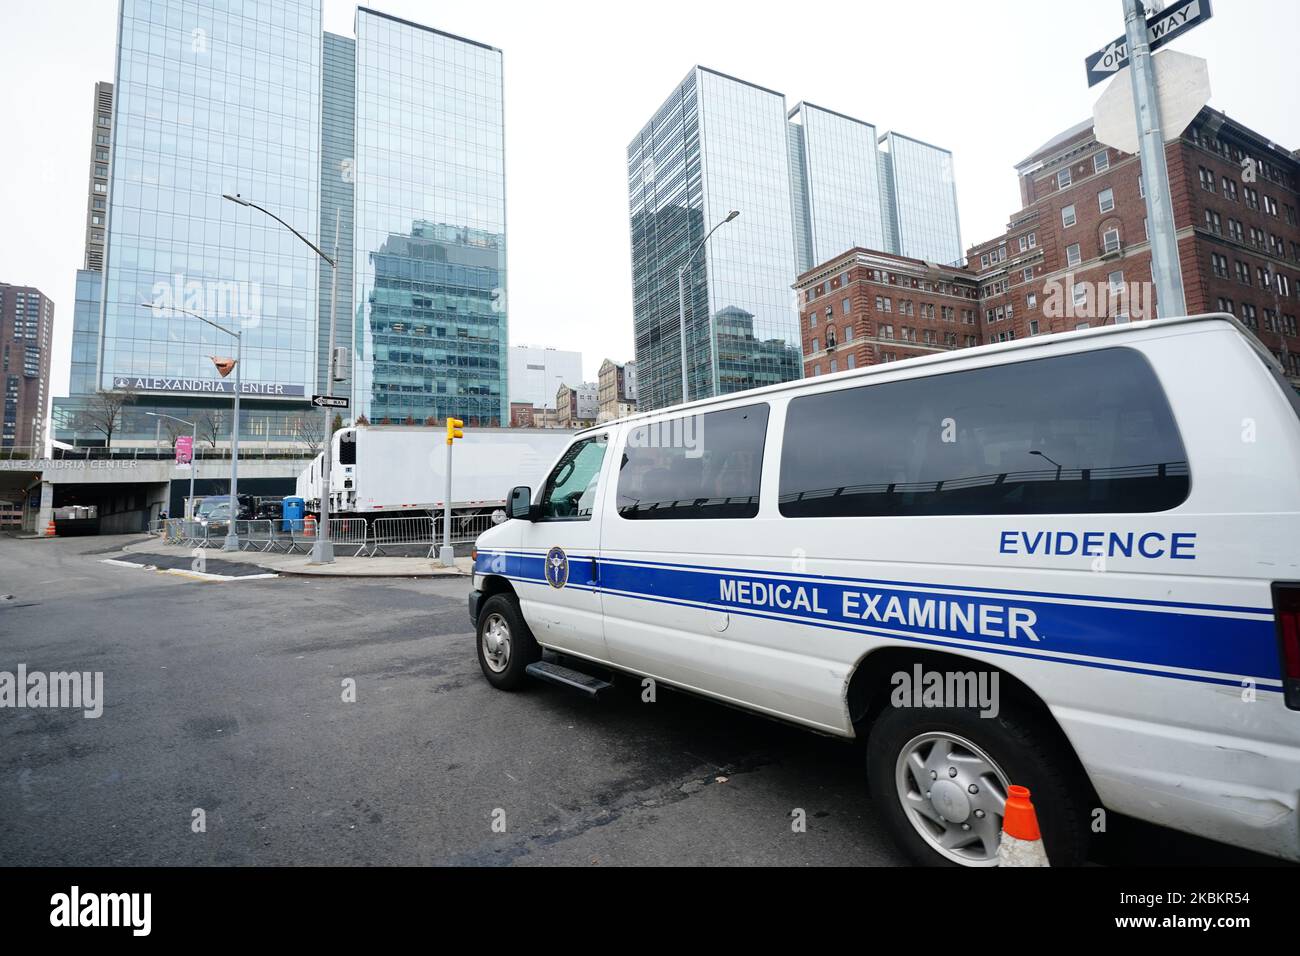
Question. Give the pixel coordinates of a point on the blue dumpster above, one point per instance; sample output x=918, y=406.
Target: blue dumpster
x=294, y=511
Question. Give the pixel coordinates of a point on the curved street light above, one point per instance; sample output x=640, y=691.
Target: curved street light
x=681, y=311
x=322, y=550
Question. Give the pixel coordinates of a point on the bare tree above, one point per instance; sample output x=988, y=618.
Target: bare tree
x=308, y=433
x=210, y=426
x=103, y=413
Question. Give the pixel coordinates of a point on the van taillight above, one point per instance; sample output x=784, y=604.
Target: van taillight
x=1286, y=609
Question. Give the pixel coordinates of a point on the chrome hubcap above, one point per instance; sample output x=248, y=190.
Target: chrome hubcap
x=496, y=643
x=954, y=794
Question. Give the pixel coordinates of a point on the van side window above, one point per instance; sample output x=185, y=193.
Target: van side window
x=698, y=466
x=570, y=491
x=1083, y=433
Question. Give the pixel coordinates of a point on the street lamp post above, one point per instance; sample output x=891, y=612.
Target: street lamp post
x=1051, y=461
x=681, y=310
x=322, y=551
x=194, y=434
x=232, y=534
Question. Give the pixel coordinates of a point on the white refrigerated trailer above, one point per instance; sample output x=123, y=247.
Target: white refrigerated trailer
x=391, y=470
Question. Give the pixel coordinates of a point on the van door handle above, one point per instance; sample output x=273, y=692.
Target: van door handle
x=595, y=573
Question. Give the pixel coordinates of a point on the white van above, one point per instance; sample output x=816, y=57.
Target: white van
x=1100, y=528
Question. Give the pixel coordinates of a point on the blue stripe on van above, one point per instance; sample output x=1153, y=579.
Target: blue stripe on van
x=1156, y=637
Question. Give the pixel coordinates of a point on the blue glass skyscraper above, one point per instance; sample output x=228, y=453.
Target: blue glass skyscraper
x=429, y=297
x=809, y=185
x=397, y=134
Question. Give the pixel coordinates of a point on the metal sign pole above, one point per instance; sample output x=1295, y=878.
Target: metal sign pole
x=447, y=556
x=1165, y=268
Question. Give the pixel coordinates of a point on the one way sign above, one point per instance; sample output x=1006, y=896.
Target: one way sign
x=329, y=401
x=1168, y=24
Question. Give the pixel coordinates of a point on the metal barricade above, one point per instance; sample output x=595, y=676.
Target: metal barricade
x=254, y=535
x=349, y=533
x=193, y=534
x=402, y=532
x=291, y=535
x=465, y=529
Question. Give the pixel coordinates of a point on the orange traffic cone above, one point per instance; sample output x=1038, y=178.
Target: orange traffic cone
x=49, y=530
x=1022, y=844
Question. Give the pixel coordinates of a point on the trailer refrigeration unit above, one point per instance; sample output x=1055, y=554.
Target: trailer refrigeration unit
x=384, y=471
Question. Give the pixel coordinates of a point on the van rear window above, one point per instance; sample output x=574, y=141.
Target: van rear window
x=1083, y=433
x=697, y=466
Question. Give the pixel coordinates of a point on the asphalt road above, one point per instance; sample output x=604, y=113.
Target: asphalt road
x=229, y=698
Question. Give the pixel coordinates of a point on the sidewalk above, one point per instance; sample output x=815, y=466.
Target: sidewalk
x=343, y=566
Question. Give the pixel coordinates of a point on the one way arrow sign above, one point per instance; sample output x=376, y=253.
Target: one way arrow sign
x=329, y=401
x=1168, y=24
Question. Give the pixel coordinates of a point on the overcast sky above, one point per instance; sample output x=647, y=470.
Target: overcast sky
x=989, y=80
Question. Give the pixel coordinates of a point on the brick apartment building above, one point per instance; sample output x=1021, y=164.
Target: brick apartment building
x=1077, y=254
x=26, y=331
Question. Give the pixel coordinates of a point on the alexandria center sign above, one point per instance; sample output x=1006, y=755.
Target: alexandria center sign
x=208, y=386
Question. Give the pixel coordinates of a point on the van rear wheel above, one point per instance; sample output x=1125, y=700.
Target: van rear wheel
x=940, y=776
x=505, y=644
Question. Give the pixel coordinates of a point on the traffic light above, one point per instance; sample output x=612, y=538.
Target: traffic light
x=453, y=430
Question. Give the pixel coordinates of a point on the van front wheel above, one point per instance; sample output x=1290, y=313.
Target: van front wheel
x=940, y=776
x=505, y=644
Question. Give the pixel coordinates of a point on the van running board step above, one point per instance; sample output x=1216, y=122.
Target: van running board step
x=568, y=677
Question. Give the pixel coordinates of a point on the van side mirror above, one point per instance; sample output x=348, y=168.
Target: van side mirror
x=521, y=503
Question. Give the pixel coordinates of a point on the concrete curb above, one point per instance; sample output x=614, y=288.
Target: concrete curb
x=297, y=565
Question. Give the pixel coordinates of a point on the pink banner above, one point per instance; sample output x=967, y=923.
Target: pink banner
x=184, y=449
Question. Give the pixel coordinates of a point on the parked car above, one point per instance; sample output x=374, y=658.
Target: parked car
x=214, y=513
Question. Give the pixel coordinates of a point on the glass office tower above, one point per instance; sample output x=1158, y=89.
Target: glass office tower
x=837, y=177
x=921, y=199
x=809, y=186
x=717, y=144
x=337, y=194
x=429, y=301
x=211, y=99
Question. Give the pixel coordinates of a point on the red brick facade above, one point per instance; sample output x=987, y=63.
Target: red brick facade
x=1078, y=254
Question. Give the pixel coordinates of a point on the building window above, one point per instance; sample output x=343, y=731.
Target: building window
x=1027, y=275
x=1225, y=305
x=1072, y=254
x=1063, y=179
x=845, y=307
x=1219, y=264
x=848, y=333
x=1207, y=179
x=1031, y=300
x=1110, y=241
x=1080, y=295
x=815, y=346
x=1033, y=326
x=1229, y=189
x=1100, y=161
x=1213, y=222
x=850, y=362
x=1106, y=200
x=1067, y=216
